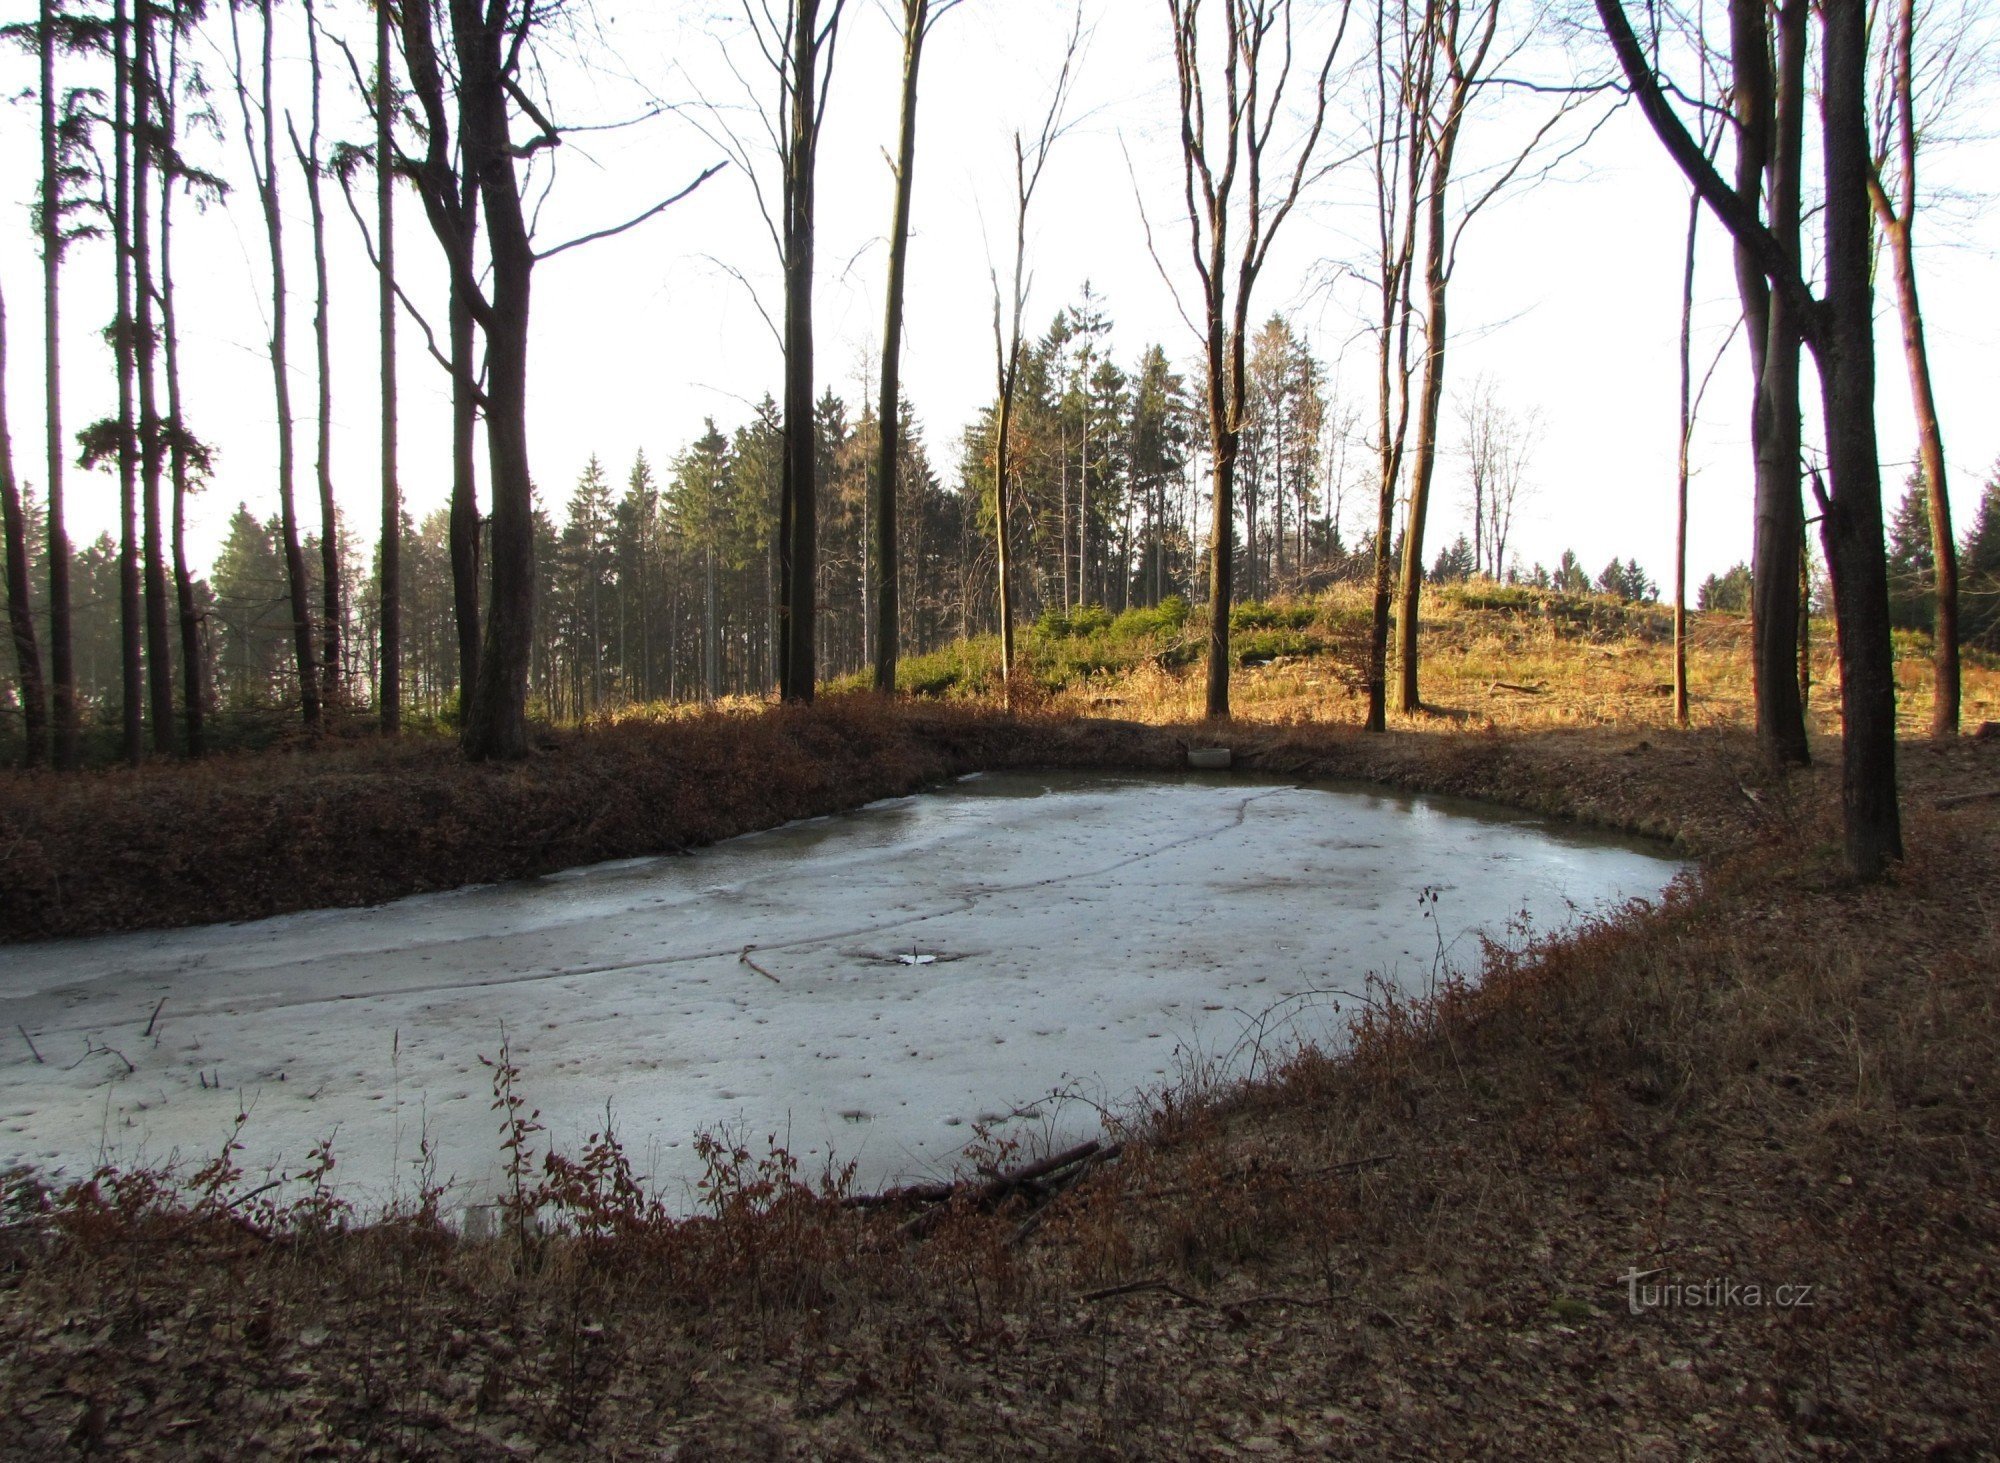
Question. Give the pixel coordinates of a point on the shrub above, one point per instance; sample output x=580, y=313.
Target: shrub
x=1258, y=615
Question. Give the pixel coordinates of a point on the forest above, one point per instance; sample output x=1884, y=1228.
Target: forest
x=929, y=728
x=804, y=542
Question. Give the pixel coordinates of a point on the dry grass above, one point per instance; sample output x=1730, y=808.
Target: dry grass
x=1411, y=1250
x=1530, y=669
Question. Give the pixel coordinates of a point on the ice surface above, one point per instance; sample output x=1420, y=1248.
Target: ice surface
x=912, y=969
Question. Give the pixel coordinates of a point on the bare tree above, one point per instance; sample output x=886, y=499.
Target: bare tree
x=1767, y=102
x=1690, y=406
x=1460, y=62
x=1251, y=108
x=313, y=166
x=1030, y=159
x=20, y=609
x=1398, y=168
x=1497, y=443
x=805, y=74
x=918, y=17
x=1839, y=329
x=145, y=342
x=1903, y=87
x=130, y=614
x=465, y=579
x=50, y=219
x=187, y=457
x=260, y=141
x=490, y=46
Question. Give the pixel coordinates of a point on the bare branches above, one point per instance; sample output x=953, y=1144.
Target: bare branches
x=661, y=207
x=1029, y=164
x=375, y=262
x=1726, y=204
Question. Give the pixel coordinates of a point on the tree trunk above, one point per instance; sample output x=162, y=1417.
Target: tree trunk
x=1851, y=522
x=1774, y=155
x=1897, y=221
x=62, y=663
x=1221, y=563
x=193, y=662
x=1423, y=465
x=798, y=483
x=129, y=612
x=883, y=555
x=388, y=680
x=159, y=645
x=331, y=617
x=264, y=167
x=1681, y=468
x=20, y=611
x=496, y=722
x=1930, y=448
x=1003, y=512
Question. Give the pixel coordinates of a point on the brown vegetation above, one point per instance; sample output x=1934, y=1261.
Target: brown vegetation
x=1777, y=1078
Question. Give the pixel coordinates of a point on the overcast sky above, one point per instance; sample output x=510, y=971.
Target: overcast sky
x=1567, y=294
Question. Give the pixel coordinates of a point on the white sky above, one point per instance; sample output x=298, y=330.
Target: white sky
x=1567, y=295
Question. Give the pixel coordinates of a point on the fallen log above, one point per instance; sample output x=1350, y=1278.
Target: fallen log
x=1040, y=1181
x=994, y=1185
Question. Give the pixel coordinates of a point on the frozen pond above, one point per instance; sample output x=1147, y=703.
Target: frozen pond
x=914, y=968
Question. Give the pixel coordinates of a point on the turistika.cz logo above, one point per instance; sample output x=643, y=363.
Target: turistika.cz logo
x=1644, y=1293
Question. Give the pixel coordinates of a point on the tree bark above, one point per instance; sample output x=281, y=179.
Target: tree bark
x=1398, y=179
x=193, y=691
x=1851, y=521
x=1770, y=110
x=130, y=613
x=389, y=557
x=331, y=616
x=464, y=518
x=262, y=143
x=1930, y=449
x=20, y=609
x=889, y=425
x=62, y=664
x=1423, y=465
x=1681, y=467
x=496, y=722
x=1003, y=512
x=159, y=644
x=798, y=482
x=1839, y=330
x=1898, y=219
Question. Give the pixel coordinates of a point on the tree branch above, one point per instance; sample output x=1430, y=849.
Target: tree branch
x=634, y=222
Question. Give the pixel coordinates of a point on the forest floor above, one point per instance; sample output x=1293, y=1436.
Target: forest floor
x=1715, y=1179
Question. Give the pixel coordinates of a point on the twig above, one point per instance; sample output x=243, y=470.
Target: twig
x=246, y=1198
x=31, y=1043
x=1078, y=1160
x=1069, y=1181
x=1275, y=1298
x=744, y=959
x=154, y=1017
x=1960, y=799
x=1134, y=1287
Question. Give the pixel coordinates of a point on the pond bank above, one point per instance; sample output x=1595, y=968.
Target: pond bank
x=348, y=824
